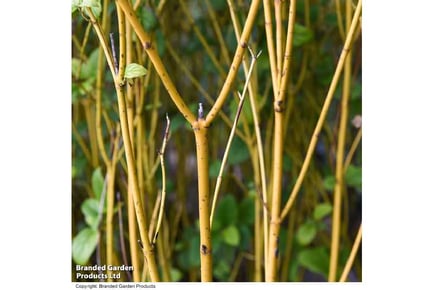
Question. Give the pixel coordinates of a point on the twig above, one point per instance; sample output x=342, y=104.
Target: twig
x=232, y=133
x=115, y=61
x=163, y=172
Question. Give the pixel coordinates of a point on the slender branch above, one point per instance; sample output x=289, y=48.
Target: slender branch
x=352, y=256
x=156, y=60
x=163, y=173
x=231, y=135
x=242, y=45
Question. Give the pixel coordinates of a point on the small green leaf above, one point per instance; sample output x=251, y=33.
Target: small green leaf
x=134, y=70
x=231, y=236
x=353, y=176
x=83, y=245
x=238, y=152
x=148, y=18
x=214, y=168
x=302, y=35
x=161, y=42
x=90, y=208
x=222, y=270
x=329, y=182
x=175, y=274
x=89, y=68
x=94, y=5
x=75, y=4
x=97, y=182
x=322, y=210
x=227, y=211
x=315, y=260
x=247, y=211
x=306, y=233
x=194, y=251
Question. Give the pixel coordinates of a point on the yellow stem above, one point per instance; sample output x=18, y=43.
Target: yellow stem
x=200, y=133
x=339, y=186
x=150, y=48
x=352, y=256
x=242, y=45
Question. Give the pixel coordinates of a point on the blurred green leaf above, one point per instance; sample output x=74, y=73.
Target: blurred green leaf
x=175, y=274
x=306, y=233
x=353, y=176
x=287, y=163
x=161, y=42
x=247, y=211
x=94, y=5
x=322, y=210
x=148, y=18
x=75, y=4
x=97, y=182
x=315, y=260
x=302, y=35
x=134, y=70
x=329, y=182
x=89, y=67
x=221, y=270
x=231, y=236
x=227, y=211
x=83, y=245
x=214, y=168
x=90, y=209
x=193, y=250
x=238, y=152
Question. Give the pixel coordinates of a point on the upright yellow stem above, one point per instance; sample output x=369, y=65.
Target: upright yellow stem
x=340, y=155
x=279, y=133
x=200, y=133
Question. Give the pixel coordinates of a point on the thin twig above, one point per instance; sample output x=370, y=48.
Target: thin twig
x=115, y=61
x=163, y=172
x=231, y=135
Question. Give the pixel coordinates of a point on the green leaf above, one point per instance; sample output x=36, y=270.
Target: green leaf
x=306, y=233
x=353, y=176
x=94, y=5
x=175, y=274
x=90, y=209
x=222, y=270
x=227, y=211
x=75, y=4
x=97, y=182
x=161, y=42
x=148, y=18
x=193, y=251
x=329, y=182
x=231, y=236
x=302, y=35
x=238, y=152
x=315, y=260
x=83, y=245
x=89, y=68
x=134, y=70
x=214, y=168
x=247, y=211
x=322, y=210
x=75, y=64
